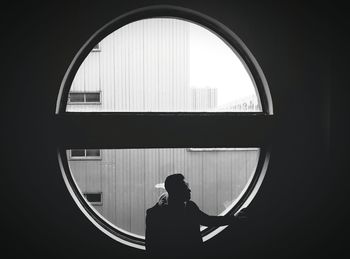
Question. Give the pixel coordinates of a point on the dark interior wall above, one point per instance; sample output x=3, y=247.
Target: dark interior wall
x=292, y=213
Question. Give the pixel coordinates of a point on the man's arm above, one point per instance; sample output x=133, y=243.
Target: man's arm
x=216, y=221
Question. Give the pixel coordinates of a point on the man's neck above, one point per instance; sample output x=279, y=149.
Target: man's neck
x=176, y=203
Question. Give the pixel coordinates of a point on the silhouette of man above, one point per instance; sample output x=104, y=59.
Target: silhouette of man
x=173, y=224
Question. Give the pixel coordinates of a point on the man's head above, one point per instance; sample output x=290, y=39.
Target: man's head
x=177, y=187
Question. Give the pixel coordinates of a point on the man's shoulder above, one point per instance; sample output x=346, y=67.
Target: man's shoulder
x=156, y=209
x=192, y=205
x=155, y=213
x=152, y=209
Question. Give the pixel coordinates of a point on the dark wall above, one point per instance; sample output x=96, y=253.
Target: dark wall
x=293, y=213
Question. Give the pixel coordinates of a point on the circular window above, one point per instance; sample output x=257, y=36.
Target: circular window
x=157, y=91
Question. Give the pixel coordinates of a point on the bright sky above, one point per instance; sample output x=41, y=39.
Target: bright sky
x=213, y=64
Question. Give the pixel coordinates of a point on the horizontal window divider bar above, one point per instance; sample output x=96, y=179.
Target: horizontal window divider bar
x=156, y=131
x=162, y=114
x=159, y=145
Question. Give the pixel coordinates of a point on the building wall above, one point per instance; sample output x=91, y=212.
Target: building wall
x=141, y=67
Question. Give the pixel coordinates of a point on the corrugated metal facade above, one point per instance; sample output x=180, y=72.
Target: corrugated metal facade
x=141, y=67
x=144, y=66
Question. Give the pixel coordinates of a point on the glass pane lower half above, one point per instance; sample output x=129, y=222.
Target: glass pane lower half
x=131, y=180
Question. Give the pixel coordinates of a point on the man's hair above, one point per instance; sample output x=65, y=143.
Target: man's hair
x=172, y=182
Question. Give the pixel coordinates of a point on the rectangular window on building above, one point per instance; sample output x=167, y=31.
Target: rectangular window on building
x=97, y=47
x=84, y=98
x=78, y=153
x=93, y=153
x=76, y=97
x=94, y=198
x=92, y=97
x=86, y=154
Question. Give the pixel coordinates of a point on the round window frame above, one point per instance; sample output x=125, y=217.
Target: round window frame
x=233, y=41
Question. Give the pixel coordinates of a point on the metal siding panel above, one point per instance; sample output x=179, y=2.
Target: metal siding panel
x=239, y=172
x=79, y=80
x=186, y=65
x=175, y=74
x=109, y=185
x=167, y=79
x=107, y=73
x=77, y=86
x=152, y=177
x=93, y=176
x=172, y=60
x=92, y=72
x=161, y=68
x=150, y=66
x=194, y=172
x=78, y=170
x=179, y=160
x=123, y=189
x=119, y=70
x=209, y=183
x=141, y=67
x=252, y=162
x=119, y=183
x=127, y=60
x=136, y=75
x=132, y=73
x=137, y=191
x=165, y=163
x=224, y=175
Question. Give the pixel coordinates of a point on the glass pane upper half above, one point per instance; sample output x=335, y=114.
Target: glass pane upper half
x=163, y=65
x=124, y=183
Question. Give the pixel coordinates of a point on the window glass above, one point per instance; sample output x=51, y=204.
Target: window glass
x=85, y=153
x=93, y=152
x=76, y=97
x=132, y=180
x=165, y=65
x=97, y=47
x=92, y=97
x=93, y=197
x=78, y=152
